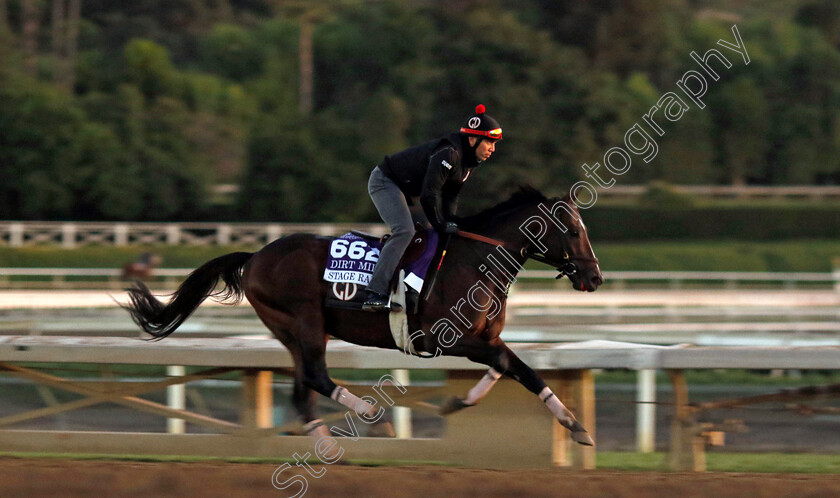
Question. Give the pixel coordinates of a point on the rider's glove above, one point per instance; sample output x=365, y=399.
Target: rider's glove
x=450, y=228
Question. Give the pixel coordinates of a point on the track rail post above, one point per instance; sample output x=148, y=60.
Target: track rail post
x=257, y=401
x=688, y=444
x=646, y=411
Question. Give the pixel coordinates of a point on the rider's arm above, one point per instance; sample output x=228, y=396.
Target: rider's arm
x=449, y=199
x=441, y=166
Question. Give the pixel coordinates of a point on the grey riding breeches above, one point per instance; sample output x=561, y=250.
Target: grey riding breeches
x=393, y=208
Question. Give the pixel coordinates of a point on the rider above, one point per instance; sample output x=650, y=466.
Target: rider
x=434, y=172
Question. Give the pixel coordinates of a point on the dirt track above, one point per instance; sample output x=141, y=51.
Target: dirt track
x=60, y=478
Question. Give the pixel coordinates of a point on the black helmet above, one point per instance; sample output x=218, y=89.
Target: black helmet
x=482, y=125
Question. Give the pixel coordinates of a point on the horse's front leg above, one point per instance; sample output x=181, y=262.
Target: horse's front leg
x=525, y=375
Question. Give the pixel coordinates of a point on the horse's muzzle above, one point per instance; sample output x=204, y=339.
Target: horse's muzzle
x=586, y=281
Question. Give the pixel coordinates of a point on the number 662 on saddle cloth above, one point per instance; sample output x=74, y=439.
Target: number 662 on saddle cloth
x=353, y=256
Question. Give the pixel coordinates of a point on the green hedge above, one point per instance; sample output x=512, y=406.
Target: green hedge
x=622, y=223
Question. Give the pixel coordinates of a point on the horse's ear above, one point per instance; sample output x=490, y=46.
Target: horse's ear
x=560, y=193
x=527, y=187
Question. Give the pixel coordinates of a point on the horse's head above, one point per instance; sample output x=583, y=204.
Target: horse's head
x=547, y=230
x=558, y=237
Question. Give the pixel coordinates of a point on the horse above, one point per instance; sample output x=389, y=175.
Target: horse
x=141, y=269
x=463, y=315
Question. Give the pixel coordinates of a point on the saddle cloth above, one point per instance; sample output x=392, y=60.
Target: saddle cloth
x=353, y=256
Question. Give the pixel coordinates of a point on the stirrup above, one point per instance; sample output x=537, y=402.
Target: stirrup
x=375, y=302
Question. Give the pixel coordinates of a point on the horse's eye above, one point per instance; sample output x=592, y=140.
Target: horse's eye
x=575, y=234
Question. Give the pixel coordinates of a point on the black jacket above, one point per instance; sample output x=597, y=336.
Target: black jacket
x=434, y=171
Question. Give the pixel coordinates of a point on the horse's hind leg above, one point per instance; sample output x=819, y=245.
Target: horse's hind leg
x=316, y=376
x=302, y=396
x=304, y=403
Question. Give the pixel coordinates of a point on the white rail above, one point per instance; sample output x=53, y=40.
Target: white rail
x=742, y=191
x=73, y=234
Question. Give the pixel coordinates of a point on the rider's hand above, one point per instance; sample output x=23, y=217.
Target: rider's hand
x=450, y=228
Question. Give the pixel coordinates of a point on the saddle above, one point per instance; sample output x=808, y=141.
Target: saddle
x=347, y=286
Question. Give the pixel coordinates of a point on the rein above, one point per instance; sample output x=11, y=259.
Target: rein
x=567, y=268
x=480, y=238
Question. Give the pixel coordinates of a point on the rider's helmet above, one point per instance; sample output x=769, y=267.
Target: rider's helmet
x=482, y=125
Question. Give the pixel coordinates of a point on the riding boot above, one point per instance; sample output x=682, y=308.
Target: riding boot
x=375, y=301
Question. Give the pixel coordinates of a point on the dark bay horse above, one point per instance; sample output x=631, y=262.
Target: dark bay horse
x=463, y=315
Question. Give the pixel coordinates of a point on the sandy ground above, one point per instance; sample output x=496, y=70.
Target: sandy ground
x=72, y=478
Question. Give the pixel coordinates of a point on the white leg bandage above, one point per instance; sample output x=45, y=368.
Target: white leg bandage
x=325, y=445
x=557, y=408
x=316, y=429
x=353, y=402
x=483, y=387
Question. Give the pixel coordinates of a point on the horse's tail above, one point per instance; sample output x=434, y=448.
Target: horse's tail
x=160, y=319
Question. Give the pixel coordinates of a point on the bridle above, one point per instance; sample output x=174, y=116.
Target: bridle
x=566, y=268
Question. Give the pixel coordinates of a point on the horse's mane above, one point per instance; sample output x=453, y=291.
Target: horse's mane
x=524, y=196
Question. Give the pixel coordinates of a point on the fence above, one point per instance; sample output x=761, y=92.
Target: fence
x=70, y=235
x=228, y=191
x=509, y=428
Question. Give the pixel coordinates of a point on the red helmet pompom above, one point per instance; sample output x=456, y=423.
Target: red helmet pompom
x=479, y=109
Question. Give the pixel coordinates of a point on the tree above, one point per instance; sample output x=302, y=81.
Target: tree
x=292, y=177
x=642, y=35
x=687, y=152
x=101, y=176
x=4, y=17
x=823, y=15
x=151, y=69
x=383, y=126
x=233, y=52
x=74, y=11
x=173, y=183
x=38, y=126
x=65, y=33
x=30, y=12
x=739, y=112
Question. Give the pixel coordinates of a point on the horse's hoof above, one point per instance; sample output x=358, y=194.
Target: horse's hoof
x=452, y=405
x=382, y=429
x=579, y=434
x=582, y=437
